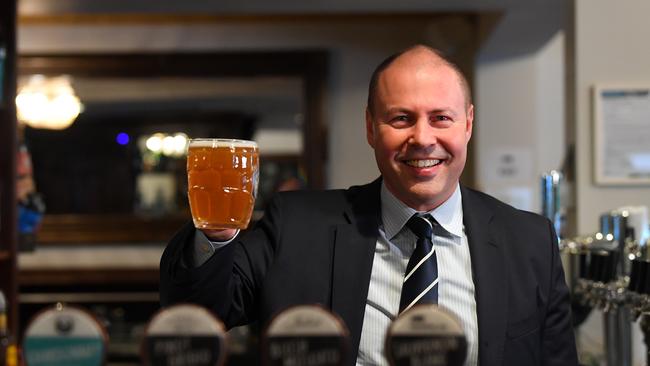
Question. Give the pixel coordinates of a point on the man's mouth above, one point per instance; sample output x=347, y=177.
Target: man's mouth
x=422, y=163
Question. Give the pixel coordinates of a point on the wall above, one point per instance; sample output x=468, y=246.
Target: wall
x=520, y=108
x=610, y=47
x=611, y=41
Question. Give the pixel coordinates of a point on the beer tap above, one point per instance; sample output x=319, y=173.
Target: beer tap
x=639, y=284
x=601, y=282
x=616, y=317
x=638, y=289
x=610, y=271
x=595, y=260
x=637, y=295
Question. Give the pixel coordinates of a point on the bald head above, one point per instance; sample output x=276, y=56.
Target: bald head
x=414, y=57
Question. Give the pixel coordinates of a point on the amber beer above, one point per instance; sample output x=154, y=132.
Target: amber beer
x=222, y=182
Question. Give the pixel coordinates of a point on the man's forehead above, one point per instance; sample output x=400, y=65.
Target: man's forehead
x=400, y=73
x=418, y=61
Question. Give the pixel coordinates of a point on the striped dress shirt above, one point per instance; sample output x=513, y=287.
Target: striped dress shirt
x=394, y=247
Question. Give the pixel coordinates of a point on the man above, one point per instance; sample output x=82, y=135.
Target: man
x=497, y=269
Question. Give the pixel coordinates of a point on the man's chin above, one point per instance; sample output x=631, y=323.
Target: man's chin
x=419, y=194
x=421, y=201
x=428, y=195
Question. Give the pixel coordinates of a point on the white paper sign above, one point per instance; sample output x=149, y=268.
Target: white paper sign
x=508, y=165
x=622, y=135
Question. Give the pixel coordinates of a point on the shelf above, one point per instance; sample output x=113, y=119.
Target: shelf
x=49, y=277
x=94, y=297
x=127, y=229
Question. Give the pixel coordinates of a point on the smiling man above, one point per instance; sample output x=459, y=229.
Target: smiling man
x=414, y=235
x=419, y=121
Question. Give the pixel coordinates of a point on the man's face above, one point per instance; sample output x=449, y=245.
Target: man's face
x=419, y=129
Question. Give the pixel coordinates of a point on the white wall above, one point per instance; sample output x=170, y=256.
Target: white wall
x=611, y=41
x=520, y=115
x=611, y=47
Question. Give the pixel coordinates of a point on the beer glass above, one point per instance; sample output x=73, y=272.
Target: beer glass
x=222, y=182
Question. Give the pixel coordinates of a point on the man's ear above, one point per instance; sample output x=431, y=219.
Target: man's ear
x=470, y=122
x=370, y=129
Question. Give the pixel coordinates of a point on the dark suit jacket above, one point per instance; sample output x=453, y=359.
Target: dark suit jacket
x=317, y=247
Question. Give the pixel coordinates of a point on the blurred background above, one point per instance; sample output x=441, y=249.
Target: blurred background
x=108, y=92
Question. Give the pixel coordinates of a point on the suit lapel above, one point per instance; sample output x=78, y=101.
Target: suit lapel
x=353, y=253
x=489, y=272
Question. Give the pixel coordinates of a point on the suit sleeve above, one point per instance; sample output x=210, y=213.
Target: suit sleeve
x=228, y=283
x=559, y=347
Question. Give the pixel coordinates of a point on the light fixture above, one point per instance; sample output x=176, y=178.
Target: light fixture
x=48, y=103
x=180, y=144
x=168, y=145
x=154, y=143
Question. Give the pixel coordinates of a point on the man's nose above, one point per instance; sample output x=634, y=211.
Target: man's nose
x=423, y=134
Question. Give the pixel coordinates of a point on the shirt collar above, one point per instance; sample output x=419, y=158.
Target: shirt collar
x=395, y=214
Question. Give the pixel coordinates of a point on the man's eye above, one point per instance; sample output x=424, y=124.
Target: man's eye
x=442, y=118
x=400, y=121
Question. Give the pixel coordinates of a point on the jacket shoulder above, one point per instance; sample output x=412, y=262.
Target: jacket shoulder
x=336, y=198
x=312, y=198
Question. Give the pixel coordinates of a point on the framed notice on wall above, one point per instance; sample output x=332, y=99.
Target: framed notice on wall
x=622, y=135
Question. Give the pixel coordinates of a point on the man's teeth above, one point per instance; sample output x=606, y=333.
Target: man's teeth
x=423, y=163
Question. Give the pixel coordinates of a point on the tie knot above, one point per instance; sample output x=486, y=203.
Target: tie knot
x=421, y=225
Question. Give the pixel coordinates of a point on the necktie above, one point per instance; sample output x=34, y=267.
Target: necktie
x=421, y=277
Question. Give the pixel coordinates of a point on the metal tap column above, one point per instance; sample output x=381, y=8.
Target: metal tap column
x=617, y=323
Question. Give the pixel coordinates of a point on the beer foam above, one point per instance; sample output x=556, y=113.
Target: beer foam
x=201, y=142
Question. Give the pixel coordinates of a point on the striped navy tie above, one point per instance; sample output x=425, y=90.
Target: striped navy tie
x=421, y=277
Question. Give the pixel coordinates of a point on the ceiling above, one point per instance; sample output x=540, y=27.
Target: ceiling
x=539, y=18
x=40, y=7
